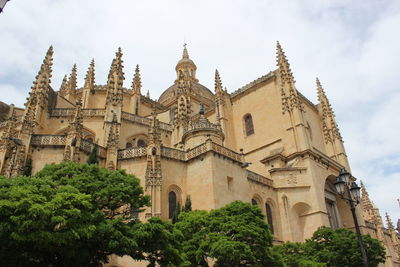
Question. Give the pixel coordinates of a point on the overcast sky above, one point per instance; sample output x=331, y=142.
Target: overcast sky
x=352, y=46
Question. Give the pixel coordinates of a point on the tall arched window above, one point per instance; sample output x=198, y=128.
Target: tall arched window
x=248, y=124
x=269, y=217
x=171, y=204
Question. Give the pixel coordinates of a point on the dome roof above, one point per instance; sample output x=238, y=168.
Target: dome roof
x=197, y=89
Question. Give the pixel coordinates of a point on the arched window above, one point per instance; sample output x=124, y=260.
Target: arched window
x=254, y=202
x=248, y=124
x=171, y=203
x=269, y=217
x=141, y=143
x=89, y=139
x=128, y=145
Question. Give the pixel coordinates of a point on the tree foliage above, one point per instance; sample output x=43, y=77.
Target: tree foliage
x=235, y=235
x=332, y=248
x=188, y=204
x=69, y=215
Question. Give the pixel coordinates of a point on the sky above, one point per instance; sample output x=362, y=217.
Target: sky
x=351, y=46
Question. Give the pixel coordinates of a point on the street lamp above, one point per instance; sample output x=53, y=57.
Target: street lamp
x=344, y=185
x=3, y=4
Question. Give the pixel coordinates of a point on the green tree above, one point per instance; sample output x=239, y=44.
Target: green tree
x=332, y=248
x=159, y=242
x=177, y=211
x=340, y=248
x=235, y=235
x=188, y=204
x=75, y=215
x=93, y=158
x=294, y=255
x=192, y=225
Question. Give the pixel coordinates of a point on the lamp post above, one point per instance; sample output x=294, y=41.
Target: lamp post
x=3, y=4
x=344, y=186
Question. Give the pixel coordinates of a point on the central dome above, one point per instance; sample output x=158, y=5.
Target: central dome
x=187, y=67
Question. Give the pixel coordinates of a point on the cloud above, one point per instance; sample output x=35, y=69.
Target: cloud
x=350, y=45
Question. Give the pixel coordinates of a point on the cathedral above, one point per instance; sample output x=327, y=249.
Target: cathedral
x=264, y=143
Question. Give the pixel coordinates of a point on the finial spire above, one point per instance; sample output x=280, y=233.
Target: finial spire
x=185, y=51
x=218, y=83
x=115, y=80
x=72, y=82
x=137, y=81
x=64, y=86
x=389, y=222
x=331, y=129
x=89, y=79
x=148, y=94
x=283, y=65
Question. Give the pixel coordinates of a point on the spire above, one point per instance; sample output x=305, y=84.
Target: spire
x=72, y=81
x=218, y=83
x=115, y=80
x=64, y=86
x=283, y=65
x=289, y=95
x=148, y=94
x=137, y=82
x=389, y=222
x=330, y=127
x=90, y=79
x=39, y=92
x=186, y=67
x=185, y=53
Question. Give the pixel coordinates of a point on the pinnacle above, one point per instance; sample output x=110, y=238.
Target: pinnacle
x=218, y=83
x=185, y=52
x=137, y=83
x=89, y=79
x=389, y=222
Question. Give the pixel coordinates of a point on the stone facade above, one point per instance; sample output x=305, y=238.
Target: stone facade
x=264, y=143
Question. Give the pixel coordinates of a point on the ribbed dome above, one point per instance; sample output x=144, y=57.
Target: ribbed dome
x=197, y=89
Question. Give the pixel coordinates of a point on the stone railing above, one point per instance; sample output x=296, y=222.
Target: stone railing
x=48, y=140
x=87, y=147
x=69, y=112
x=196, y=151
x=166, y=127
x=145, y=121
x=94, y=112
x=255, y=177
x=173, y=153
x=133, y=152
x=62, y=112
x=226, y=152
x=134, y=118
